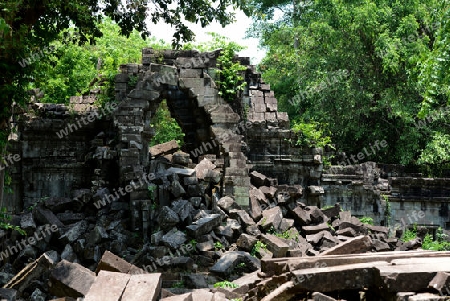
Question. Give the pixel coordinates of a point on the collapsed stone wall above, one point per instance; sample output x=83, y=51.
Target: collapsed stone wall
x=247, y=135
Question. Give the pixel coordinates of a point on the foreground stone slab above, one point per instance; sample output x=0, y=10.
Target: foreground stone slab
x=405, y=275
x=30, y=273
x=143, y=287
x=359, y=244
x=389, y=274
x=70, y=279
x=108, y=286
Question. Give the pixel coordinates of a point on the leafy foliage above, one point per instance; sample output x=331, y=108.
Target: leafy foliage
x=366, y=220
x=312, y=134
x=6, y=225
x=74, y=69
x=166, y=128
x=440, y=244
x=218, y=245
x=230, y=80
x=257, y=247
x=409, y=234
x=392, y=54
x=226, y=284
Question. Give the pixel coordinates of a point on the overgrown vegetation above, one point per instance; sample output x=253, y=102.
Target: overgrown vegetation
x=366, y=220
x=218, y=245
x=5, y=222
x=230, y=80
x=380, y=71
x=257, y=248
x=286, y=234
x=409, y=234
x=166, y=128
x=440, y=244
x=225, y=284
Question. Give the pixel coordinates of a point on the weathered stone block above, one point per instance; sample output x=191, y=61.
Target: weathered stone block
x=108, y=286
x=143, y=287
x=70, y=279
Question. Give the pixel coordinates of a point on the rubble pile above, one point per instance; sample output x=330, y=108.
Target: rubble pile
x=195, y=239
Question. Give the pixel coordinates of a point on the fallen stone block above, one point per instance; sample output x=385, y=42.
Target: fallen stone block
x=113, y=263
x=228, y=262
x=70, y=279
x=108, y=286
x=204, y=225
x=246, y=242
x=258, y=179
x=269, y=192
x=317, y=215
x=246, y=282
x=441, y=283
x=195, y=281
x=350, y=232
x=74, y=232
x=243, y=217
x=45, y=216
x=255, y=207
x=301, y=216
x=174, y=238
x=7, y=294
x=321, y=297
x=275, y=245
x=30, y=273
x=181, y=158
x=380, y=246
x=164, y=148
x=333, y=211
x=315, y=238
x=308, y=230
x=143, y=287
x=203, y=168
x=286, y=224
x=271, y=218
x=411, y=274
x=226, y=203
x=168, y=218
x=355, y=245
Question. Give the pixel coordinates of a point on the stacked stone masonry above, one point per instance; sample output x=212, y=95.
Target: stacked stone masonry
x=246, y=135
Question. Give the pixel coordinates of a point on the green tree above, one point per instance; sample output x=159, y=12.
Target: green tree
x=73, y=69
x=353, y=67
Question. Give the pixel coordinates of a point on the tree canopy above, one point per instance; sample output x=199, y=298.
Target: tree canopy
x=363, y=71
x=28, y=26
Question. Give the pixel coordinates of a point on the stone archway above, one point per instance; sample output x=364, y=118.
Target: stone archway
x=209, y=123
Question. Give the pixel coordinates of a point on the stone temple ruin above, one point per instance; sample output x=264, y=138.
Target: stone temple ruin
x=238, y=178
x=249, y=135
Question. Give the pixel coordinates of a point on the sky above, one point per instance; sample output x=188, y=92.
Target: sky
x=235, y=32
